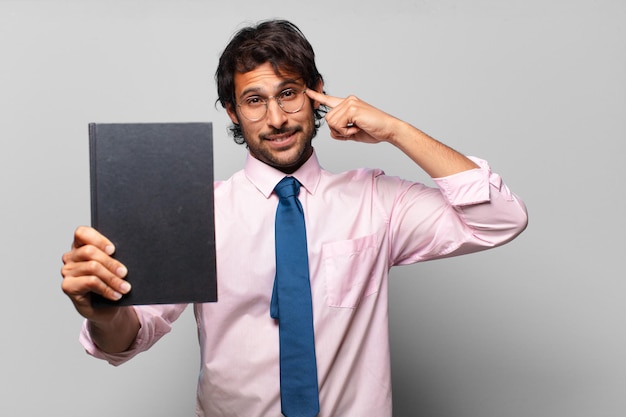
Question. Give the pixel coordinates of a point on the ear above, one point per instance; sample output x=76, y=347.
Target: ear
x=232, y=114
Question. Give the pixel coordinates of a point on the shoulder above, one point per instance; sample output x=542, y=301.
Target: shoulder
x=353, y=176
x=361, y=178
x=224, y=186
x=362, y=183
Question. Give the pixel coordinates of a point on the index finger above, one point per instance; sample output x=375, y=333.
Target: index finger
x=85, y=235
x=329, y=101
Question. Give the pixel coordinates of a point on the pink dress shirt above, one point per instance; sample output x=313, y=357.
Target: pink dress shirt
x=359, y=224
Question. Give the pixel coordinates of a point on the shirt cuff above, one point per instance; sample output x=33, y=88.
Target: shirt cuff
x=113, y=358
x=471, y=186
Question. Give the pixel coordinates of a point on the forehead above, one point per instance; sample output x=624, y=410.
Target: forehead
x=262, y=79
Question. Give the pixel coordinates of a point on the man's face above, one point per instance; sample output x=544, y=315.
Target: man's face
x=279, y=139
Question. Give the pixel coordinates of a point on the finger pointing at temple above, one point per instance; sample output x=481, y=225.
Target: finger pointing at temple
x=323, y=99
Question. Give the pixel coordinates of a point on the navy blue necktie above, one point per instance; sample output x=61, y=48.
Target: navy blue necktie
x=291, y=305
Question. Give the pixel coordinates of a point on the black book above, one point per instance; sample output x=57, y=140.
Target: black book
x=152, y=196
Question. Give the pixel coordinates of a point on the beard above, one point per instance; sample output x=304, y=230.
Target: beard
x=289, y=158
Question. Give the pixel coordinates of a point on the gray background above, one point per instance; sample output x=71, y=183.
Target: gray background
x=535, y=328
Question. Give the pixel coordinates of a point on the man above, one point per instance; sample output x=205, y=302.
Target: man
x=358, y=224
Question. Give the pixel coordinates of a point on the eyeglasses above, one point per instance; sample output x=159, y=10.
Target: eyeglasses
x=254, y=108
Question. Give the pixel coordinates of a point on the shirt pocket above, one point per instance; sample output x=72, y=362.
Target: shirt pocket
x=350, y=270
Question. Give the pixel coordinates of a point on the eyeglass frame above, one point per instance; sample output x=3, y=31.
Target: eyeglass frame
x=266, y=102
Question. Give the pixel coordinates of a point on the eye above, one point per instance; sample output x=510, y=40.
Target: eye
x=253, y=101
x=288, y=94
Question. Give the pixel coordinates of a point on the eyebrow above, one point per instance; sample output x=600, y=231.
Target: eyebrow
x=280, y=86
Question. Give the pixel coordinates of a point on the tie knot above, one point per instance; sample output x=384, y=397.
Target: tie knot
x=287, y=187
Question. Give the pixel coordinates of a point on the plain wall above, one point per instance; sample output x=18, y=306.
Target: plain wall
x=537, y=87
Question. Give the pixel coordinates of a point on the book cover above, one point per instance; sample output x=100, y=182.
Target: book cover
x=152, y=196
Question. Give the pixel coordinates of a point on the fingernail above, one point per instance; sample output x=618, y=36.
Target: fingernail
x=125, y=287
x=121, y=271
x=109, y=249
x=116, y=295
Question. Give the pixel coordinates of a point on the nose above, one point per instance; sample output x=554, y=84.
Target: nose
x=276, y=117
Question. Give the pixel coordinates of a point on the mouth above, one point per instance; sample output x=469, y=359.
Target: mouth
x=280, y=138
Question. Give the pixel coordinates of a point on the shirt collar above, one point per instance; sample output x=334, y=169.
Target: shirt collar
x=265, y=177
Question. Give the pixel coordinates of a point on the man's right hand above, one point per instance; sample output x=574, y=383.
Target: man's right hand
x=89, y=268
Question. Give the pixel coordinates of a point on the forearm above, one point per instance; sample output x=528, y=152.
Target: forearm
x=437, y=159
x=353, y=119
x=117, y=334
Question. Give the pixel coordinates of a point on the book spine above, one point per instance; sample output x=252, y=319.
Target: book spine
x=93, y=180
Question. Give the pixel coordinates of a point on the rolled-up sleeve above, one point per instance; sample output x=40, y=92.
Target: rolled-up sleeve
x=155, y=320
x=470, y=211
x=485, y=203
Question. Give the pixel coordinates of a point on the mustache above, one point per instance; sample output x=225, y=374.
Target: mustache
x=281, y=131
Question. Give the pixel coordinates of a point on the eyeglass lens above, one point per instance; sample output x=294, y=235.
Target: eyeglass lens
x=255, y=107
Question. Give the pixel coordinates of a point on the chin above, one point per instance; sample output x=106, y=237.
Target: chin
x=289, y=163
